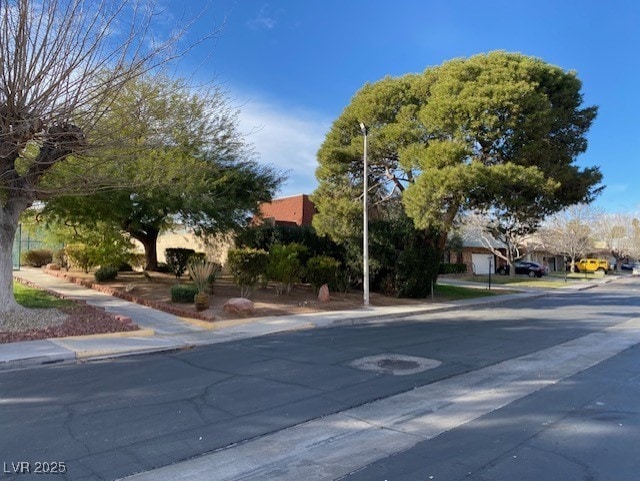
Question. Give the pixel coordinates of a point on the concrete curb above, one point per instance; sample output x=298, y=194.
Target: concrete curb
x=145, y=341
x=498, y=300
x=21, y=355
x=86, y=350
x=109, y=335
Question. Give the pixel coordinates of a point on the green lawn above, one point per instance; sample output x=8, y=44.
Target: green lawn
x=577, y=276
x=497, y=279
x=455, y=293
x=554, y=280
x=34, y=298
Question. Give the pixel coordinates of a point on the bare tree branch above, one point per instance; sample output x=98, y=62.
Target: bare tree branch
x=62, y=64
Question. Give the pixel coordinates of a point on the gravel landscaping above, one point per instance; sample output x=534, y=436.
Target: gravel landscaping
x=67, y=321
x=32, y=319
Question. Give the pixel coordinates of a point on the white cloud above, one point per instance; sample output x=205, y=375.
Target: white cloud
x=288, y=139
x=264, y=20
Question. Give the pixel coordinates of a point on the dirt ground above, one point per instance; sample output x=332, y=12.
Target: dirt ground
x=267, y=303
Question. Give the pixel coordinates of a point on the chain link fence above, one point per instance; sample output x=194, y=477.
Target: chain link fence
x=30, y=239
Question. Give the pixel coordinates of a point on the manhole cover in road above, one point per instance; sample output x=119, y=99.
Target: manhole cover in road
x=396, y=364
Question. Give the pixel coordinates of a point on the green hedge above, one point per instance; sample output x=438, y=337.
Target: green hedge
x=246, y=266
x=285, y=266
x=446, y=268
x=178, y=259
x=37, y=257
x=183, y=293
x=81, y=256
x=106, y=273
x=323, y=270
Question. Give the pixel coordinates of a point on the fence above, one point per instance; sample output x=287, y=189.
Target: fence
x=28, y=240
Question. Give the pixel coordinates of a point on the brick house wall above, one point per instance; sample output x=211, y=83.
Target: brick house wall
x=295, y=210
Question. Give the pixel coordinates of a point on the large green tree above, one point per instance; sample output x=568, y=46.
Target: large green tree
x=185, y=163
x=497, y=132
x=61, y=62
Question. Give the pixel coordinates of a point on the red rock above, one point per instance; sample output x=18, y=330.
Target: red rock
x=323, y=294
x=238, y=305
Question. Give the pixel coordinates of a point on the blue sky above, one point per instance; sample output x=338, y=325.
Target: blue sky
x=291, y=66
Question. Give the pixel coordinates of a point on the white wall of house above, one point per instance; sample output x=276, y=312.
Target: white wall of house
x=216, y=249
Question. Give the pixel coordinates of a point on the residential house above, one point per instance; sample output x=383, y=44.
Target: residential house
x=295, y=210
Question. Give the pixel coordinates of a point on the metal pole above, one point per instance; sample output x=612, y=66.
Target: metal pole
x=365, y=236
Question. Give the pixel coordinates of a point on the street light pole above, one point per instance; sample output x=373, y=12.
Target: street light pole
x=365, y=235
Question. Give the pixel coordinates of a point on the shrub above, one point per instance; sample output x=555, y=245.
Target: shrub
x=447, y=268
x=137, y=261
x=285, y=266
x=344, y=281
x=81, y=256
x=178, y=259
x=37, y=257
x=164, y=268
x=183, y=293
x=106, y=273
x=212, y=277
x=125, y=267
x=323, y=270
x=99, y=249
x=403, y=261
x=110, y=251
x=413, y=263
x=265, y=236
x=198, y=256
x=246, y=266
x=60, y=258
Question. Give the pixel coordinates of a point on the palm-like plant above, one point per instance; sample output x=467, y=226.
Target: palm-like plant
x=200, y=271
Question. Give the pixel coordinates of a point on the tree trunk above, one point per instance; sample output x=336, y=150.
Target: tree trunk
x=573, y=264
x=9, y=219
x=438, y=247
x=149, y=239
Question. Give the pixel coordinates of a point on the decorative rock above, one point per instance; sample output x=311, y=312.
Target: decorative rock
x=323, y=293
x=124, y=319
x=238, y=305
x=52, y=267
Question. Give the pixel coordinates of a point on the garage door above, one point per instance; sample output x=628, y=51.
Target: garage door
x=481, y=263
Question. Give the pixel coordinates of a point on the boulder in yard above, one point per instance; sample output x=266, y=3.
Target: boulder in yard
x=238, y=305
x=323, y=293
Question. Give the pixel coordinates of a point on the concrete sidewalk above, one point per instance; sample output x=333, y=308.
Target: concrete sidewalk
x=165, y=332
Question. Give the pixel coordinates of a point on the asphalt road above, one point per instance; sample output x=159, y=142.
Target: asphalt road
x=108, y=420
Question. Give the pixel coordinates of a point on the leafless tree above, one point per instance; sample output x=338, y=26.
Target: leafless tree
x=616, y=233
x=504, y=236
x=61, y=63
x=569, y=233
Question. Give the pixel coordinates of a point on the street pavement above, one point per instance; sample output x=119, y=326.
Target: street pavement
x=165, y=332
x=511, y=390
